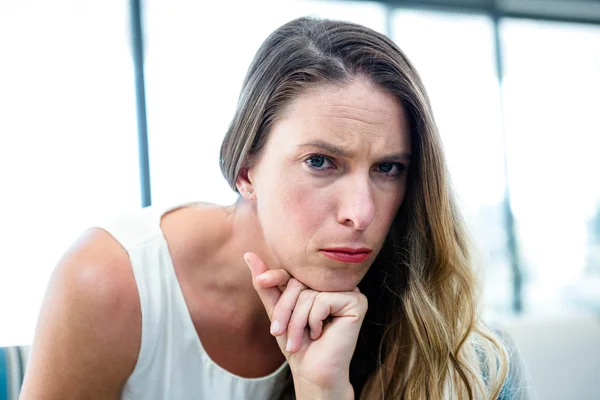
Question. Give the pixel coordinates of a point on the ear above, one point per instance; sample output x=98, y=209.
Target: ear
x=244, y=183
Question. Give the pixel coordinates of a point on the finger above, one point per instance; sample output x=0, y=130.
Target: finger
x=319, y=312
x=299, y=320
x=349, y=305
x=269, y=296
x=286, y=304
x=274, y=277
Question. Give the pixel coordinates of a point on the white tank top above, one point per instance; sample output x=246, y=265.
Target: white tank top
x=172, y=363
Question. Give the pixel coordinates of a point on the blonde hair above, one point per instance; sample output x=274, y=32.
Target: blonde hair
x=422, y=337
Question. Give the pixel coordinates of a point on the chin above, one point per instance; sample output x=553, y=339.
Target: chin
x=331, y=280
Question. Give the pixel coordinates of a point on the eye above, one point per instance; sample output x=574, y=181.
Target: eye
x=386, y=167
x=391, y=169
x=319, y=162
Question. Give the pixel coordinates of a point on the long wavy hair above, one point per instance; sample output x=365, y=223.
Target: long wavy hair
x=422, y=337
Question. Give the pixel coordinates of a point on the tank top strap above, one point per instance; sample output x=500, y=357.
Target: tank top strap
x=161, y=210
x=134, y=227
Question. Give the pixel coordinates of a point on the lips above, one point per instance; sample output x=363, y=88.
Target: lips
x=347, y=255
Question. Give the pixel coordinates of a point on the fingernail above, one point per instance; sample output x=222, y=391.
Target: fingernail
x=275, y=327
x=289, y=347
x=247, y=262
x=261, y=277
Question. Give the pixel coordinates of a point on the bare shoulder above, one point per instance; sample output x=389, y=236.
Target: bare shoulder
x=88, y=333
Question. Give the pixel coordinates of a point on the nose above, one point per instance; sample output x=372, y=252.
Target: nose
x=357, y=205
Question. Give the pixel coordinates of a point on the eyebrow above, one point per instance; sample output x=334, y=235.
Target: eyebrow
x=338, y=151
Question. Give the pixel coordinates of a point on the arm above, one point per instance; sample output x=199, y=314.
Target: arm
x=88, y=333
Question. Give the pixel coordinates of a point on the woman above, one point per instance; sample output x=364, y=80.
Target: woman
x=347, y=223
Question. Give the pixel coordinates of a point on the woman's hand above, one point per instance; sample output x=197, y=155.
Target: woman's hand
x=316, y=331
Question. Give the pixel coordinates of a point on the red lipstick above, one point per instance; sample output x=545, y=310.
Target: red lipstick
x=346, y=254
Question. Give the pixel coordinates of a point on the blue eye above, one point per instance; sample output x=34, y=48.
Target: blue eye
x=386, y=167
x=318, y=161
x=391, y=169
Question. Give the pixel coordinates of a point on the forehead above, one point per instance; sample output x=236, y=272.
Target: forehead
x=358, y=115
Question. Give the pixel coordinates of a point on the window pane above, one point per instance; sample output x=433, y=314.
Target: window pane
x=552, y=98
x=454, y=55
x=197, y=56
x=68, y=144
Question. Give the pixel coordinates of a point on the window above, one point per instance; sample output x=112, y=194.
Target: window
x=552, y=97
x=197, y=57
x=454, y=55
x=68, y=140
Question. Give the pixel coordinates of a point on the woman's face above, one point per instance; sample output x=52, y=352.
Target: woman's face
x=330, y=181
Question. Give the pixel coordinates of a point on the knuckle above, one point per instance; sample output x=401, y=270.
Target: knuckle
x=282, y=309
x=296, y=325
x=303, y=297
x=363, y=299
x=320, y=297
x=363, y=302
x=306, y=295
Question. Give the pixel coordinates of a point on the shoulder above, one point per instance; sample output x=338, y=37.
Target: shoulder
x=96, y=270
x=195, y=230
x=89, y=328
x=517, y=385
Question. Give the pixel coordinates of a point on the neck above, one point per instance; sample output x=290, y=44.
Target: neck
x=228, y=275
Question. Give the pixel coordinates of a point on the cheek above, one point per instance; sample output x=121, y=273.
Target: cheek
x=292, y=212
x=398, y=200
x=389, y=206
x=306, y=209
